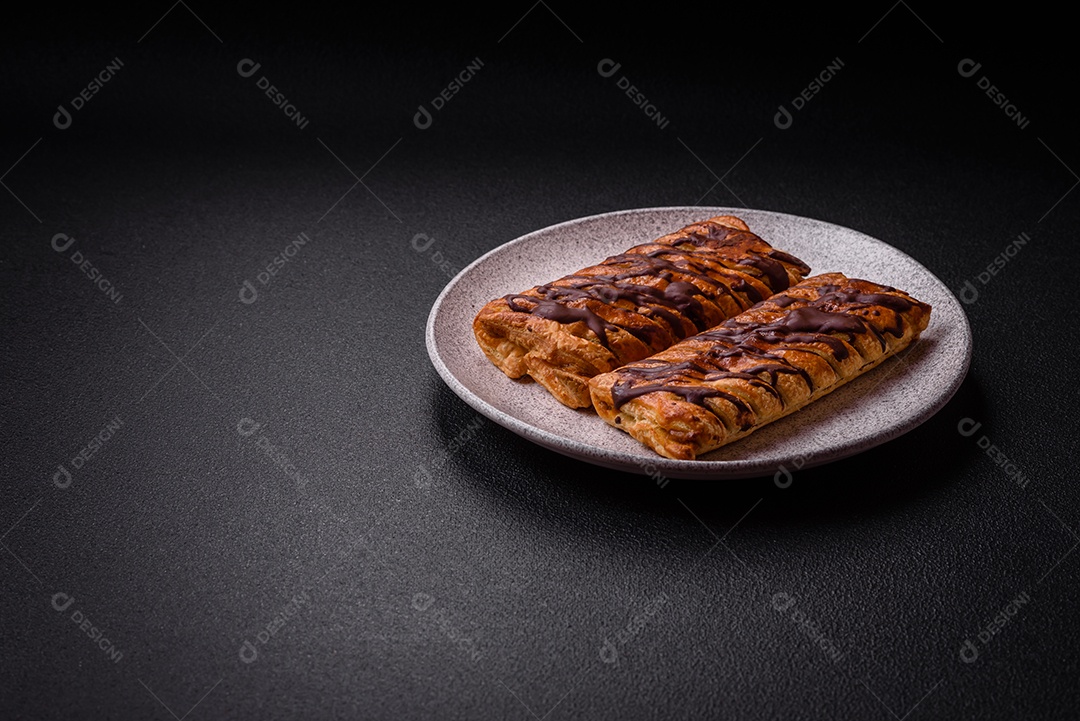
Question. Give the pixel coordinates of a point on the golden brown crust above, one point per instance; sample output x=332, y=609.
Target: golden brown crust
x=785, y=352
x=631, y=305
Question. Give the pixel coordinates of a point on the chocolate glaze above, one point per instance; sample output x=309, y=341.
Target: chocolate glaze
x=780, y=255
x=830, y=319
x=782, y=301
x=689, y=393
x=773, y=270
x=693, y=255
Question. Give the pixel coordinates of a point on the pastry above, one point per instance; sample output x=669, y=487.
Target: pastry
x=787, y=351
x=631, y=305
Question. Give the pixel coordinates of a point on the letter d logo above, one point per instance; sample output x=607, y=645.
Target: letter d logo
x=421, y=242
x=62, y=119
x=607, y=67
x=968, y=67
x=247, y=426
x=783, y=119
x=422, y=119
x=62, y=478
x=248, y=294
x=969, y=293
x=246, y=68
x=782, y=601
x=248, y=652
x=61, y=242
x=968, y=426
x=968, y=652
x=782, y=478
x=61, y=601
x=608, y=653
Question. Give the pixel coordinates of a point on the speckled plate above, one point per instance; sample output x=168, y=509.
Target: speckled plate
x=888, y=401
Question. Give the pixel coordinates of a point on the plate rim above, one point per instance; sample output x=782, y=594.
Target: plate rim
x=696, y=469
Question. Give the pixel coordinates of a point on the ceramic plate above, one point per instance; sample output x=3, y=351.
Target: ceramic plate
x=888, y=401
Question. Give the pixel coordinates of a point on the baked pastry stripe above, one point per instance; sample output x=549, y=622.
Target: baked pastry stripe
x=785, y=352
x=631, y=305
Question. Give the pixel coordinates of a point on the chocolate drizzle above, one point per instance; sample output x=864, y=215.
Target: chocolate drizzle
x=676, y=278
x=833, y=319
x=780, y=255
x=773, y=270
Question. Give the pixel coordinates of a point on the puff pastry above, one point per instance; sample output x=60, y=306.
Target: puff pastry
x=632, y=305
x=785, y=352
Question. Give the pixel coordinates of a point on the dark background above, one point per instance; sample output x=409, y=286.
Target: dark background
x=487, y=581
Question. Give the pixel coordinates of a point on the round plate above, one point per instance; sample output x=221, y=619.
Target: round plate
x=882, y=404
